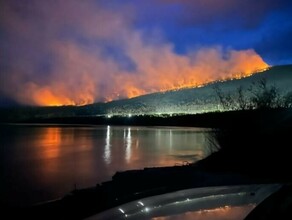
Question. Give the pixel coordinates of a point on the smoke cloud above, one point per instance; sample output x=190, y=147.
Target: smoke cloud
x=83, y=52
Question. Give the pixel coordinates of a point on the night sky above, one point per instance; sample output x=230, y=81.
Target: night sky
x=62, y=52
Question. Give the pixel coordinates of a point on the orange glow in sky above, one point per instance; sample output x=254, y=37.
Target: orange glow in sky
x=168, y=71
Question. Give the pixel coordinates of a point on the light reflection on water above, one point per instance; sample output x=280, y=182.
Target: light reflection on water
x=206, y=203
x=221, y=213
x=107, y=147
x=128, y=146
x=39, y=163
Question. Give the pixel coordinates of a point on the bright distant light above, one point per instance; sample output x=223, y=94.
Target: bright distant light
x=129, y=115
x=109, y=116
x=147, y=209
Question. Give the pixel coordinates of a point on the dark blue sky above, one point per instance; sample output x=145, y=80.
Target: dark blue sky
x=76, y=52
x=263, y=25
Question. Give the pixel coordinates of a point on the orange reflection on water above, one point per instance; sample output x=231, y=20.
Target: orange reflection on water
x=50, y=141
x=220, y=213
x=60, y=150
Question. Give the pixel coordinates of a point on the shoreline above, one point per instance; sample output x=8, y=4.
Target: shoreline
x=221, y=120
x=131, y=185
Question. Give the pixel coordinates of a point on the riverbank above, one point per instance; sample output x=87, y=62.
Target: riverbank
x=133, y=185
x=229, y=119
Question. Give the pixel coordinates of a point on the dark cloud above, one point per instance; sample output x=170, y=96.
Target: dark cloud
x=234, y=13
x=239, y=24
x=235, y=23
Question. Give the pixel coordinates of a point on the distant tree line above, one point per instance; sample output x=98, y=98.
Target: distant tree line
x=258, y=96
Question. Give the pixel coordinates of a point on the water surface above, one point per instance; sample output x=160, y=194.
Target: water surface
x=40, y=163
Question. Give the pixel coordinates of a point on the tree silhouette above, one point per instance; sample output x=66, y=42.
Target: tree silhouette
x=259, y=95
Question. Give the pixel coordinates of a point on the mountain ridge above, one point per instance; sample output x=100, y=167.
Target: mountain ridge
x=193, y=100
x=175, y=102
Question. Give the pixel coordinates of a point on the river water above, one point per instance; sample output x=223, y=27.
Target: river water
x=44, y=162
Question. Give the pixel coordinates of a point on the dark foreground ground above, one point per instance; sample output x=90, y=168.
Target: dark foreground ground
x=250, y=147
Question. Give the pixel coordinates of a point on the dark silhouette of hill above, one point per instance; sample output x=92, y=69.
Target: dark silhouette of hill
x=192, y=100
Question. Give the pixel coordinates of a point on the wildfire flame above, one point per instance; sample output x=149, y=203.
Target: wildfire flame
x=162, y=78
